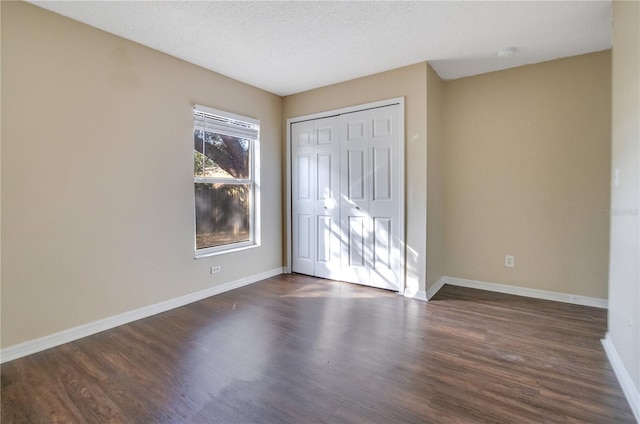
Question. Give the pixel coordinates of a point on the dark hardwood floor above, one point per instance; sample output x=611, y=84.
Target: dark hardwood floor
x=295, y=349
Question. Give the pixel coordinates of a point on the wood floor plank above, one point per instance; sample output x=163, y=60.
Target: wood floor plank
x=296, y=349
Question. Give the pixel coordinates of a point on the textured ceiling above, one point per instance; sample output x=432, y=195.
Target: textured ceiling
x=289, y=47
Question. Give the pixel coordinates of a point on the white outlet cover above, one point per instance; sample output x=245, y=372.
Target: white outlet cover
x=509, y=261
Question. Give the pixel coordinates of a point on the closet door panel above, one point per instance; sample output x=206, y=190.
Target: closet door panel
x=385, y=205
x=381, y=176
x=327, y=196
x=354, y=183
x=302, y=198
x=382, y=233
x=356, y=174
x=357, y=241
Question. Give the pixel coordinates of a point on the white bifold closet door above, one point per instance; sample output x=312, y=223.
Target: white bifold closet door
x=315, y=189
x=370, y=207
x=346, y=205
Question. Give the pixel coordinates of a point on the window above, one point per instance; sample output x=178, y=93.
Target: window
x=225, y=171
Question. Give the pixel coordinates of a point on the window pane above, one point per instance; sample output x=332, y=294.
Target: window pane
x=221, y=156
x=198, y=153
x=222, y=214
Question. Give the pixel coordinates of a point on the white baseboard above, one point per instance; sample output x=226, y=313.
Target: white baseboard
x=75, y=333
x=419, y=295
x=527, y=292
x=436, y=287
x=630, y=391
x=426, y=295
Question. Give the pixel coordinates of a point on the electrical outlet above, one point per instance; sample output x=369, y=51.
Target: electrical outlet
x=509, y=261
x=216, y=269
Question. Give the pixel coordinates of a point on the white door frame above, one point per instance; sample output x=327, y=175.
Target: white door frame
x=399, y=101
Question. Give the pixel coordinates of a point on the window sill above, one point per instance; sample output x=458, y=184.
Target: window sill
x=209, y=253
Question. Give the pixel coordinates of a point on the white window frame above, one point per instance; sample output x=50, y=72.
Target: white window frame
x=218, y=121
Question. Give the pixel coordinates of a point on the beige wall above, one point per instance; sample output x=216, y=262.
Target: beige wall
x=97, y=188
x=411, y=83
x=435, y=179
x=527, y=157
x=624, y=274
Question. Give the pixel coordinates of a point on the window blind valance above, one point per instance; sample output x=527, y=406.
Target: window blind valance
x=234, y=125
